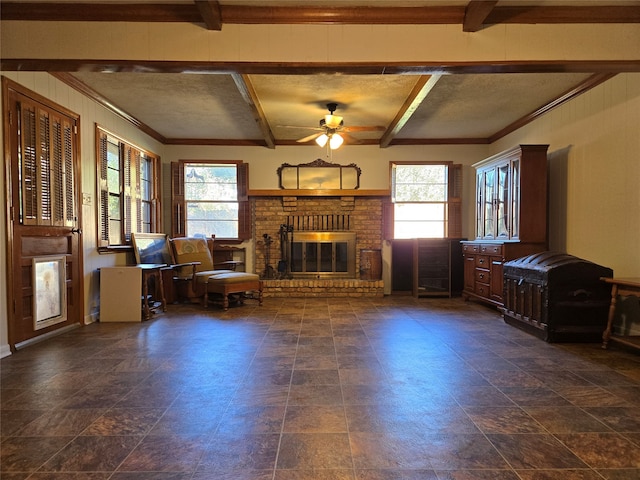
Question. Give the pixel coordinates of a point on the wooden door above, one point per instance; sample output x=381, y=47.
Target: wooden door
x=44, y=278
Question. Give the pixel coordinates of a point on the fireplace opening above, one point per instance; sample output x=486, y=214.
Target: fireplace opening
x=323, y=255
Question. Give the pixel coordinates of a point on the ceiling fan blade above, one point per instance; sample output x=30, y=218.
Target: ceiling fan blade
x=309, y=138
x=299, y=127
x=350, y=138
x=377, y=128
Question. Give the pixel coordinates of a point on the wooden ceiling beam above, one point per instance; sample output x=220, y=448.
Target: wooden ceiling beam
x=310, y=68
x=100, y=12
x=419, y=92
x=210, y=12
x=476, y=13
x=245, y=87
x=213, y=15
x=523, y=14
x=243, y=14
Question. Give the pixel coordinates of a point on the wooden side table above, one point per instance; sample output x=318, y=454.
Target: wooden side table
x=625, y=287
x=152, y=271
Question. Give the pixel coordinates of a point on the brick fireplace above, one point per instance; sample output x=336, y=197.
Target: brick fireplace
x=361, y=216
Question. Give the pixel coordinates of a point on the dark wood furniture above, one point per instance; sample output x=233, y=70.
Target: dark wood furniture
x=229, y=257
x=556, y=296
x=401, y=267
x=624, y=287
x=511, y=218
x=437, y=267
x=426, y=267
x=152, y=277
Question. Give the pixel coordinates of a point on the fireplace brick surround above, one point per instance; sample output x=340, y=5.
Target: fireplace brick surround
x=365, y=218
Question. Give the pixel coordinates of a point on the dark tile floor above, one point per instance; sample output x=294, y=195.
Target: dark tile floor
x=345, y=389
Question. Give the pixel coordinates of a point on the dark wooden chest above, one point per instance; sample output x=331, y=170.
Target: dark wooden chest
x=556, y=296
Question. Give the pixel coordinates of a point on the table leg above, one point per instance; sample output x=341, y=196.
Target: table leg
x=145, y=296
x=612, y=310
x=161, y=286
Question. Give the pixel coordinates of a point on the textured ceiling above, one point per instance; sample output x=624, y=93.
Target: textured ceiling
x=210, y=107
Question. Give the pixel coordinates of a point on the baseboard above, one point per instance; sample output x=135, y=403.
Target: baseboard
x=91, y=318
x=46, y=336
x=5, y=350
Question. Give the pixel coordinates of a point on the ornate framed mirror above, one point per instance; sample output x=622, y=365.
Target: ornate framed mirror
x=319, y=175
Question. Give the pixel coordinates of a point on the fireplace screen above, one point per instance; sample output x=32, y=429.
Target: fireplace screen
x=323, y=255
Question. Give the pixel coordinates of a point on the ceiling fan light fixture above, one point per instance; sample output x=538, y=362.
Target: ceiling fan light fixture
x=322, y=140
x=333, y=121
x=335, y=141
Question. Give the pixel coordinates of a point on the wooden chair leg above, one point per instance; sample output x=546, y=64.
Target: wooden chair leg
x=225, y=302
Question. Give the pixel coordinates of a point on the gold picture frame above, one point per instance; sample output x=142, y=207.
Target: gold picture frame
x=319, y=175
x=49, y=283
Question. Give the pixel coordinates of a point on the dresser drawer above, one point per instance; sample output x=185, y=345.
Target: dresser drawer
x=482, y=275
x=490, y=249
x=482, y=289
x=482, y=261
x=470, y=248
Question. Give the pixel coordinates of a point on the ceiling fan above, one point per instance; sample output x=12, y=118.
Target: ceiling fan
x=331, y=130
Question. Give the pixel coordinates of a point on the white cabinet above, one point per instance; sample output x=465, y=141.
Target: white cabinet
x=120, y=294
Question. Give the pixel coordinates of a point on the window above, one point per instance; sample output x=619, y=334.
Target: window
x=209, y=198
x=425, y=200
x=128, y=190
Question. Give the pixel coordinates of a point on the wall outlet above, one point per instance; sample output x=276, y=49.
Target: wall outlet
x=86, y=199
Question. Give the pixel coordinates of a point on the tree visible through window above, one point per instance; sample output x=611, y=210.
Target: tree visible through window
x=210, y=198
x=423, y=196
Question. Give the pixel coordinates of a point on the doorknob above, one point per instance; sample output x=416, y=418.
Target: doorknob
x=76, y=230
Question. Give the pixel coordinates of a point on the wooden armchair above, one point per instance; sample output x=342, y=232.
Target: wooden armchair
x=179, y=279
x=207, y=280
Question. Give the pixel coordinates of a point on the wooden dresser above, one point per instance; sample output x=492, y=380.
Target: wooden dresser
x=511, y=218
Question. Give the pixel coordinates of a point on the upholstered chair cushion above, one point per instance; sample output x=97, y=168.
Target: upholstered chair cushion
x=187, y=250
x=232, y=277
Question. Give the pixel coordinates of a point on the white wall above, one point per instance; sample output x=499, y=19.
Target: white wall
x=317, y=43
x=594, y=173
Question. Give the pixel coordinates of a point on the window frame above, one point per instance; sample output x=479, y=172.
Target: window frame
x=130, y=192
x=453, y=203
x=178, y=200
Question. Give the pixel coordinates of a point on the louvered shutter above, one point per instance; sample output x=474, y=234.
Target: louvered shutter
x=47, y=187
x=43, y=168
x=387, y=219
x=128, y=174
x=135, y=190
x=68, y=137
x=103, y=189
x=244, y=205
x=454, y=213
x=29, y=183
x=177, y=200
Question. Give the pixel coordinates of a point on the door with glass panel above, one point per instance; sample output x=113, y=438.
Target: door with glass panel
x=44, y=259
